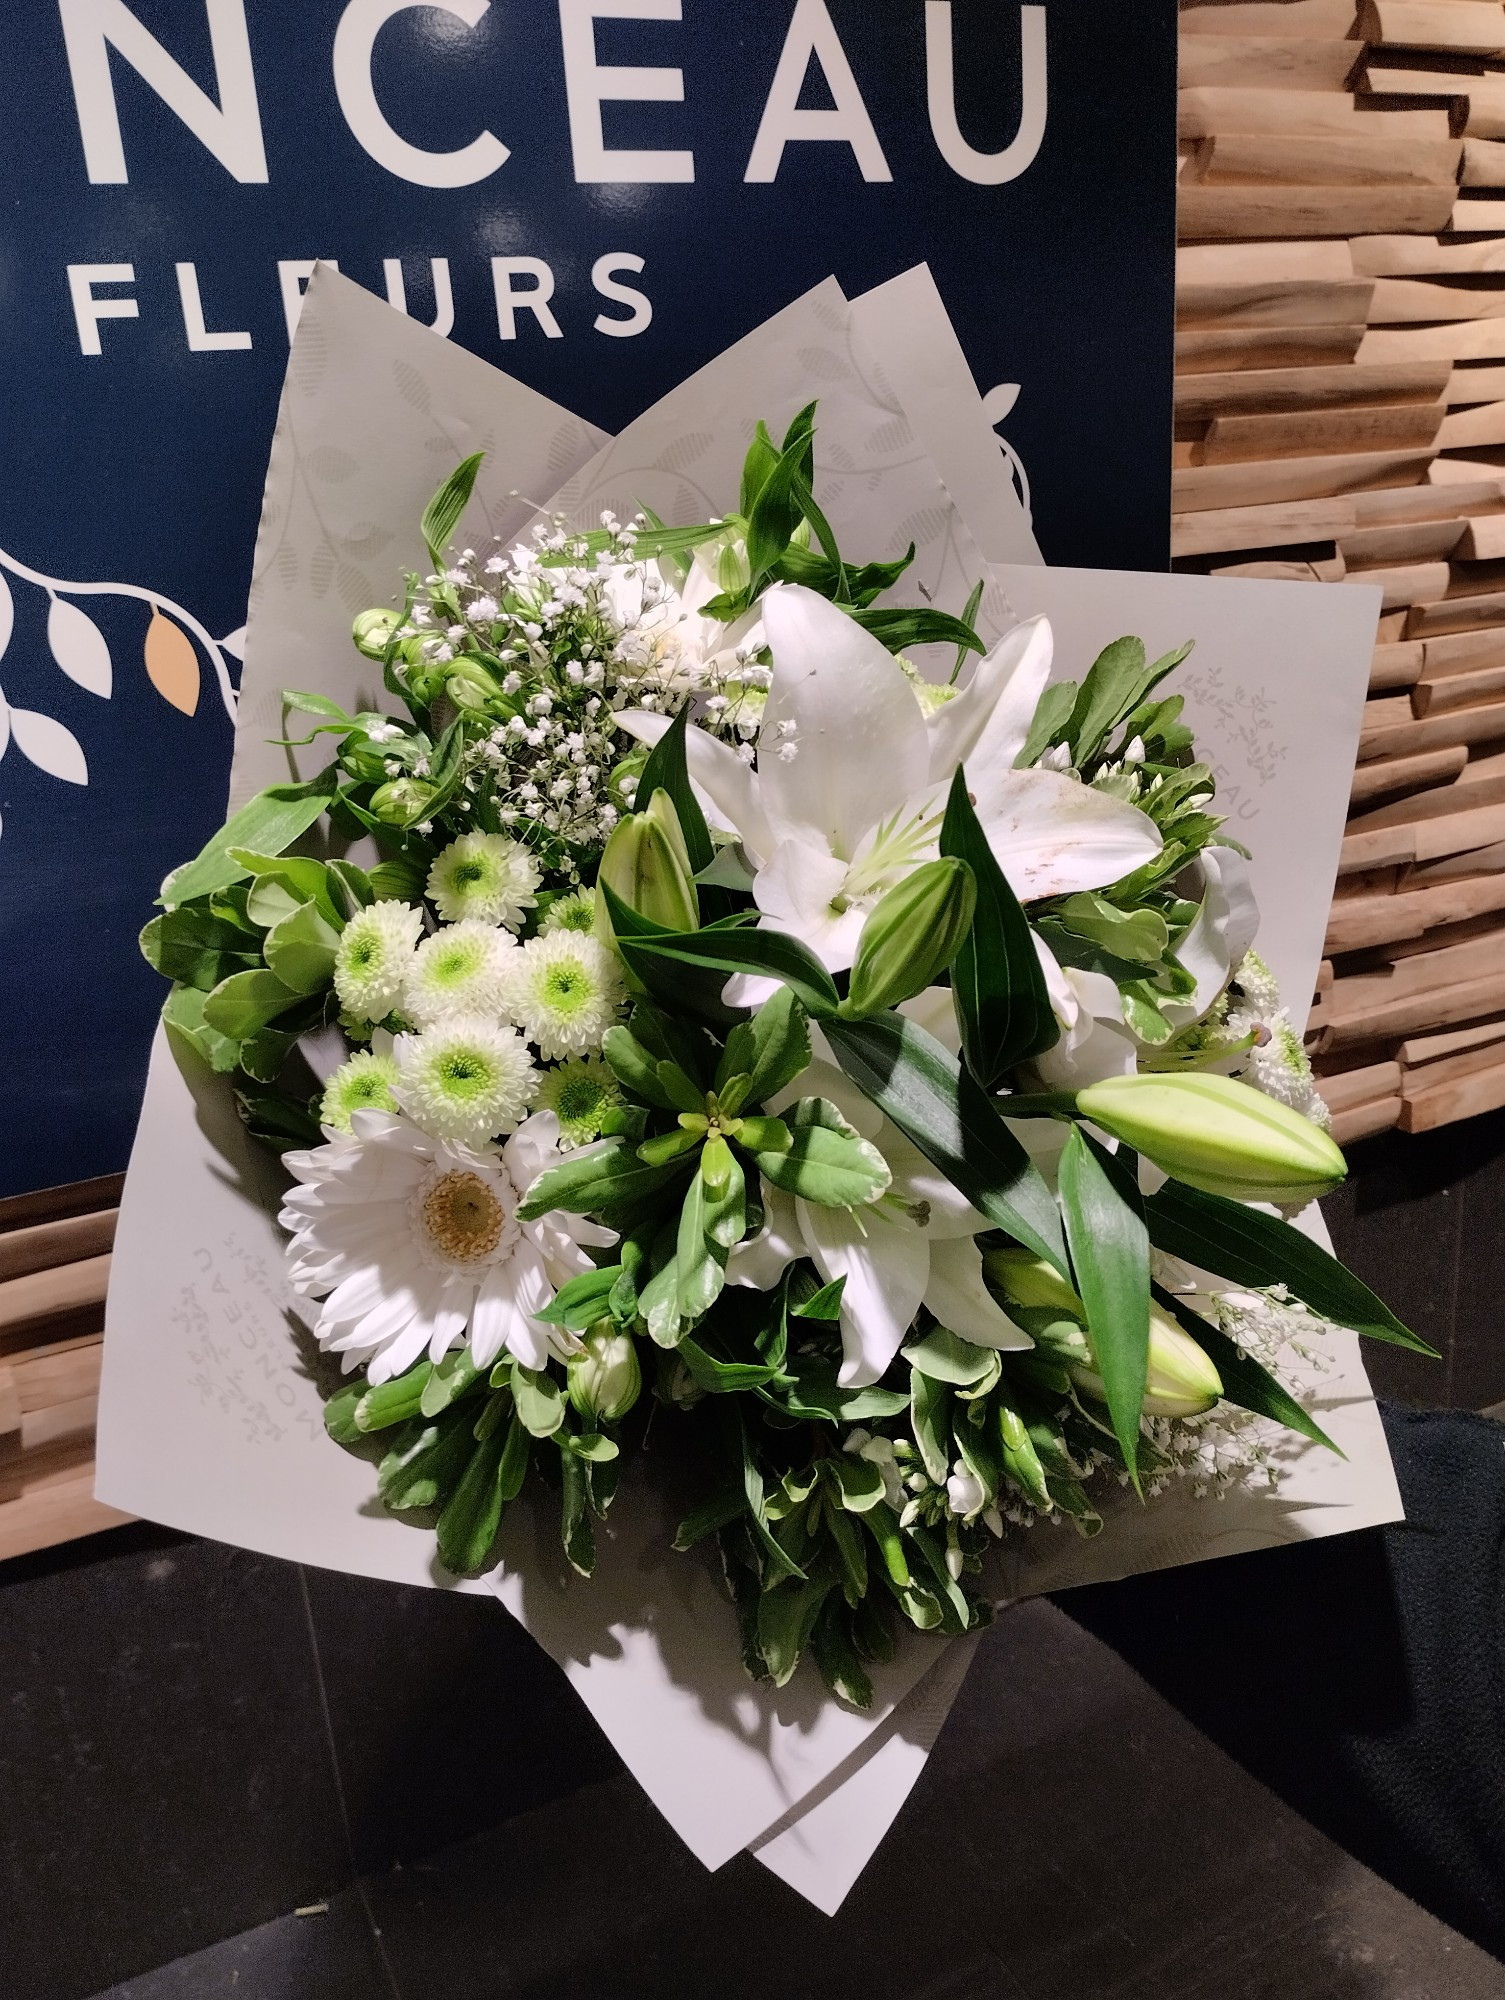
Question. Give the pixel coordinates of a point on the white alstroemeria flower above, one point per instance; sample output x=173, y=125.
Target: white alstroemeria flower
x=912, y=1247
x=859, y=806
x=413, y=1242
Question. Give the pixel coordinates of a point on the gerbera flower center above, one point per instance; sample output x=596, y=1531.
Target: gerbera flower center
x=463, y=1217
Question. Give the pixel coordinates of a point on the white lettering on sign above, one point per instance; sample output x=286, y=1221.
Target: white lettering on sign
x=200, y=339
x=533, y=298
x=293, y=273
x=589, y=84
x=444, y=298
x=625, y=295
x=986, y=169
x=231, y=129
x=354, y=42
x=88, y=311
x=812, y=32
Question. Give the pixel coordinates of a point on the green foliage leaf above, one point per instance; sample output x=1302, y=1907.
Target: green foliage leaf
x=195, y=947
x=936, y=1104
x=1110, y=1252
x=269, y=824
x=900, y=627
x=945, y=1357
x=814, y=1394
x=1002, y=1001
x=827, y=1161
x=1251, y=1248
x=442, y=514
x=1245, y=1382
x=595, y=1178
x=770, y=952
x=668, y=771
x=300, y=950
x=246, y=1001
x=771, y=1049
x=540, y=1402
x=1052, y=713
x=471, y=1516
x=824, y=1304
x=930, y=1420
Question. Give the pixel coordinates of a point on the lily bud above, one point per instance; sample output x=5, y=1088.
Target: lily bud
x=912, y=935
x=372, y=631
x=1217, y=1135
x=400, y=800
x=604, y=1378
x=1027, y=1280
x=1180, y=1381
x=647, y=865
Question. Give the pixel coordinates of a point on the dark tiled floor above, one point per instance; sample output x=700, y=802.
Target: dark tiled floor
x=1422, y=1220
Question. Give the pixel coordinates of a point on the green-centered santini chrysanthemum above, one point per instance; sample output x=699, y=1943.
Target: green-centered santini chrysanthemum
x=579, y=1093
x=459, y=970
x=466, y=1080
x=364, y=1083
x=487, y=876
x=574, y=912
x=565, y=990
x=374, y=958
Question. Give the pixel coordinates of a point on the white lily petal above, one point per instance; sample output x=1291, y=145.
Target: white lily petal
x=860, y=741
x=761, y=1260
x=794, y=890
x=992, y=714
x=1221, y=932
x=915, y=1181
x=727, y=788
x=1055, y=837
x=749, y=989
x=822, y=1078
x=956, y=1294
x=885, y=1271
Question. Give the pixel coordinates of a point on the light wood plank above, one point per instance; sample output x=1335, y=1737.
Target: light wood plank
x=1306, y=433
x=51, y=1513
x=1353, y=1087
x=1267, y=62
x=1198, y=486
x=1432, y=697
x=1483, y=164
x=1420, y=256
x=1204, y=114
x=43, y=1295
x=1267, y=390
x=1474, y=385
x=1290, y=160
x=47, y=1244
x=1464, y=652
x=1365, y=921
x=1404, y=774
x=1396, y=666
x=1483, y=722
x=1213, y=349
x=1422, y=1049
x=1366, y=1121
x=1220, y=213
x=1435, y=24
x=1464, y=428
x=1385, y=847
x=1402, y=543
x=1284, y=303
x=1398, y=301
x=1459, y=340
x=1483, y=539
x=1393, y=1013
x=1457, y=614
x=1467, y=1097
x=1303, y=20
x=1325, y=261
x=1283, y=525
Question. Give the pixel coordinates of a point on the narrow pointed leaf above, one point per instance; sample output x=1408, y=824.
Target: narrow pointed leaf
x=1245, y=1383
x=772, y=953
x=442, y=514
x=667, y=770
x=1110, y=1251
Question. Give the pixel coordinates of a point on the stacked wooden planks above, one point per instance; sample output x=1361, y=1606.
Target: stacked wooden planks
x=1340, y=416
x=54, y=1263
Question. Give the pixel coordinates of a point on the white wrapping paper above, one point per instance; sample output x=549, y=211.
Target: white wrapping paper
x=210, y=1415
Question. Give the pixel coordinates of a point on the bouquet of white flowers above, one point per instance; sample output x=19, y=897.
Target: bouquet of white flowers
x=860, y=1077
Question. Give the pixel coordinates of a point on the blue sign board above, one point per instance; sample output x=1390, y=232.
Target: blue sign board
x=598, y=195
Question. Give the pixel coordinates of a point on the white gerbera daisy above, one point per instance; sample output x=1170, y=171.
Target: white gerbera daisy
x=565, y=990
x=364, y=1083
x=459, y=970
x=373, y=958
x=465, y=1080
x=579, y=1093
x=412, y=1243
x=484, y=875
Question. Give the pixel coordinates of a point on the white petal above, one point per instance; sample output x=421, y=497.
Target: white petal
x=823, y=1079
x=1056, y=837
x=990, y=718
x=885, y=1270
x=761, y=1260
x=726, y=787
x=857, y=729
x=915, y=1181
x=795, y=891
x=491, y=1318
x=1222, y=931
x=956, y=1294
x=749, y=989
x=451, y=1316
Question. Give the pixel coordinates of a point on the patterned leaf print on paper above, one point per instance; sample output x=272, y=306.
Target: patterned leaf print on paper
x=172, y=663
x=79, y=647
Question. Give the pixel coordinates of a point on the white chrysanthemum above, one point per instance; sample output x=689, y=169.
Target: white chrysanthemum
x=1258, y=985
x=465, y=1080
x=1280, y=1068
x=364, y=1083
x=413, y=1243
x=484, y=875
x=565, y=990
x=574, y=912
x=374, y=956
x=579, y=1093
x=460, y=970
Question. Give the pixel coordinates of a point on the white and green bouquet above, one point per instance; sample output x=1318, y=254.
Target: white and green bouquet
x=842, y=1092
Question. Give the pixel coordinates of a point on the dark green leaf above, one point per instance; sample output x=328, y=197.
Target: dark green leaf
x=899, y=627
x=825, y=1304
x=246, y=1001
x=1002, y=1001
x=833, y=1652
x=597, y=1177
x=667, y=771
x=575, y=1529
x=1052, y=713
x=770, y=952
x=1110, y=1251
x=1245, y=1382
x=771, y=1049
x=816, y=1395
x=1255, y=1249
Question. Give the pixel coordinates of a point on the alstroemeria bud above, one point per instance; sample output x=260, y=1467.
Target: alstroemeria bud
x=647, y=866
x=604, y=1378
x=1180, y=1381
x=1218, y=1135
x=400, y=800
x=911, y=935
x=472, y=687
x=372, y=631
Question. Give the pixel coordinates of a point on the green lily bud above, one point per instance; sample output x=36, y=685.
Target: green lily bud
x=911, y=935
x=372, y=631
x=1027, y=1280
x=1180, y=1381
x=1218, y=1135
x=400, y=800
x=647, y=865
x=605, y=1379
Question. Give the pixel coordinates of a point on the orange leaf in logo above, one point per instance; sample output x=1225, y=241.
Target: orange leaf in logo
x=172, y=663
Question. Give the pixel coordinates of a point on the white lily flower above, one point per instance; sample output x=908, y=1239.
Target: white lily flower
x=829, y=832
x=912, y=1247
x=1220, y=934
